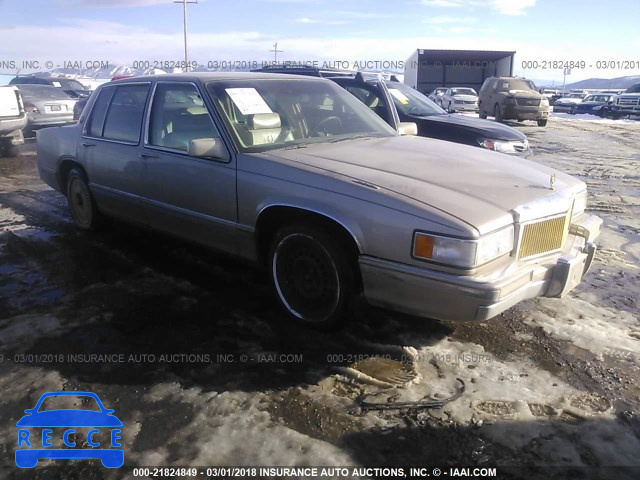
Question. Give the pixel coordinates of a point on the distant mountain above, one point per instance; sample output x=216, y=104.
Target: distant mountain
x=619, y=82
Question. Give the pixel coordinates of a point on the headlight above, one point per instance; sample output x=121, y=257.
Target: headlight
x=544, y=101
x=580, y=203
x=463, y=253
x=497, y=145
x=457, y=101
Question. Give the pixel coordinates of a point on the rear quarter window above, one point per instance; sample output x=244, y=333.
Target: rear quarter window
x=124, y=114
x=99, y=112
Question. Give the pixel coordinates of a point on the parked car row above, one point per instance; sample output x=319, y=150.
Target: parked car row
x=40, y=102
x=602, y=104
x=504, y=98
x=333, y=201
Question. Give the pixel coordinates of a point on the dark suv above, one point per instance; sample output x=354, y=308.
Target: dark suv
x=512, y=98
x=71, y=87
x=396, y=103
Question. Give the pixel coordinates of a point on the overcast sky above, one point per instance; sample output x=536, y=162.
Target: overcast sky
x=123, y=31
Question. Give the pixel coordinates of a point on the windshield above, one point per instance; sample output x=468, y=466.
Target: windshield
x=634, y=89
x=412, y=102
x=463, y=91
x=264, y=114
x=575, y=95
x=516, y=84
x=70, y=84
x=43, y=92
x=598, y=98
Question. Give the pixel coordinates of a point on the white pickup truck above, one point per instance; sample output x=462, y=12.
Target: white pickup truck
x=13, y=119
x=627, y=103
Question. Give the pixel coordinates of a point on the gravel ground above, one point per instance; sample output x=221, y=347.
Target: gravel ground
x=198, y=363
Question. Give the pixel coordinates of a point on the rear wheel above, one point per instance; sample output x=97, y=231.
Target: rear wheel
x=497, y=113
x=542, y=123
x=81, y=203
x=7, y=149
x=311, y=275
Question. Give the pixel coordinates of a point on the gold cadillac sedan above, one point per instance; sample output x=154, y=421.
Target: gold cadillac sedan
x=296, y=174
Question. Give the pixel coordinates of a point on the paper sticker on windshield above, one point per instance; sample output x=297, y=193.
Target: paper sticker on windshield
x=56, y=84
x=248, y=101
x=401, y=97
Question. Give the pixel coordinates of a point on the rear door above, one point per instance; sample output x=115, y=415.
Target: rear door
x=110, y=149
x=190, y=195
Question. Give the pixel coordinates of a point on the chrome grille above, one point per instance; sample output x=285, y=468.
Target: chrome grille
x=528, y=102
x=544, y=236
x=520, y=146
x=629, y=101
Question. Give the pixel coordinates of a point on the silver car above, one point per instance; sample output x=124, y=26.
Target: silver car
x=296, y=174
x=46, y=106
x=459, y=99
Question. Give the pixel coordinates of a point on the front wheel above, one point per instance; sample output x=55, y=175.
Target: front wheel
x=81, y=203
x=311, y=275
x=497, y=113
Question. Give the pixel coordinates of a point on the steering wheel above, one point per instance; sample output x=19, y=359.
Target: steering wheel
x=329, y=125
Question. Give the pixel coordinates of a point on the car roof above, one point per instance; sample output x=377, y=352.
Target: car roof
x=210, y=76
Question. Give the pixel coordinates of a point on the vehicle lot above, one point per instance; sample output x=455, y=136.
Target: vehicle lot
x=550, y=382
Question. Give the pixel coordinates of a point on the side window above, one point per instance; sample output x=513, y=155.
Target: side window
x=371, y=99
x=99, y=111
x=178, y=115
x=125, y=114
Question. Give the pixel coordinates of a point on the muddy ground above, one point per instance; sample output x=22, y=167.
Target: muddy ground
x=194, y=356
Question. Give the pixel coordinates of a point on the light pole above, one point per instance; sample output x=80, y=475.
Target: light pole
x=567, y=71
x=275, y=52
x=184, y=19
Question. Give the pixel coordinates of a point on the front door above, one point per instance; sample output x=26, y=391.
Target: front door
x=195, y=197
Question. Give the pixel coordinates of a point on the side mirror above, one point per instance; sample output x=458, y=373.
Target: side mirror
x=29, y=411
x=407, y=128
x=208, y=148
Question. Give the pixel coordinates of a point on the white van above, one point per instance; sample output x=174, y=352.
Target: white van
x=12, y=120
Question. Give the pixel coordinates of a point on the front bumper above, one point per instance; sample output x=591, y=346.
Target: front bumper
x=464, y=107
x=565, y=108
x=445, y=296
x=626, y=109
x=521, y=112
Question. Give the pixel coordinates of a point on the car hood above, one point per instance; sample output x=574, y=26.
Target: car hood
x=482, y=128
x=69, y=418
x=524, y=94
x=591, y=104
x=466, y=98
x=476, y=186
x=568, y=101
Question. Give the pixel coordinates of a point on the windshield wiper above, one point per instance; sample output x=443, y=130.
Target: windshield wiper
x=355, y=137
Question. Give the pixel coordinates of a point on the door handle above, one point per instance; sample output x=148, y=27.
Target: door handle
x=84, y=144
x=147, y=155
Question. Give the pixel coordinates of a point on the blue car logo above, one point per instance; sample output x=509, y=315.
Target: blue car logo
x=99, y=422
